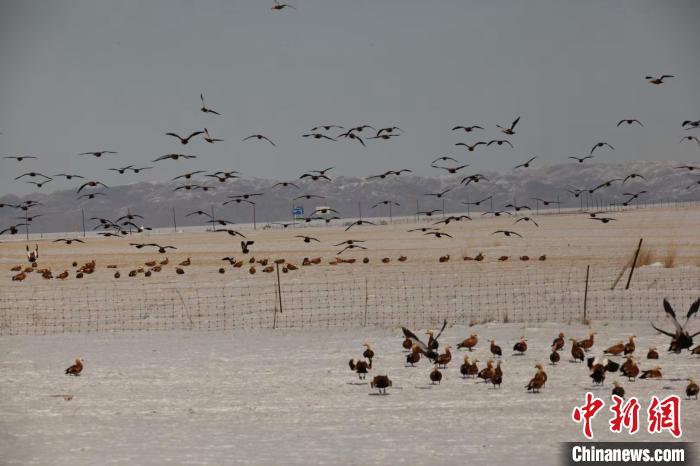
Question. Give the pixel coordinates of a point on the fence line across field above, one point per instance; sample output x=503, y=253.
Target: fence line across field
x=417, y=299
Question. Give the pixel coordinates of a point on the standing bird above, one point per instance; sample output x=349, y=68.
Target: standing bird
x=618, y=389
x=630, y=346
x=435, y=375
x=629, y=368
x=487, y=372
x=495, y=349
x=381, y=382
x=445, y=358
x=521, y=346
x=538, y=381
x=369, y=352
x=652, y=353
x=361, y=367
x=692, y=389
x=470, y=342
x=587, y=344
x=497, y=377
x=576, y=351
x=407, y=344
x=598, y=372
x=554, y=356
x=414, y=356
x=558, y=342
x=76, y=368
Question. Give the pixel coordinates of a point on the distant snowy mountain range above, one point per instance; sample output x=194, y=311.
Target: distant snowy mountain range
x=61, y=211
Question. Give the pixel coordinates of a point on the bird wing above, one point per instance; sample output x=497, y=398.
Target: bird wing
x=415, y=340
x=514, y=123
x=669, y=310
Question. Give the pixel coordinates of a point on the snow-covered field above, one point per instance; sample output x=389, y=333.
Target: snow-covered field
x=267, y=397
x=260, y=396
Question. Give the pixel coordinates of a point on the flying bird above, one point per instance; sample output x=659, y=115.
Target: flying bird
x=186, y=140
x=285, y=184
x=691, y=138
x=633, y=176
x=691, y=124
x=473, y=178
x=440, y=194
x=359, y=223
x=386, y=203
x=204, y=108
x=314, y=176
x=308, y=196
x=33, y=175
x=280, y=6
x=527, y=219
x=629, y=122
x=444, y=158
x=525, y=164
x=245, y=245
x=318, y=136
x=471, y=148
x=507, y=233
x=308, y=239
x=603, y=219
x=581, y=159
x=601, y=144
x=259, y=137
x=467, y=129
x=68, y=240
x=176, y=157
x=544, y=202
x=186, y=176
x=451, y=170
x=326, y=127
x=40, y=184
x=659, y=80
x=69, y=176
x=509, y=131
x=437, y=234
x=477, y=203
x=353, y=136
x=91, y=184
x=98, y=153
x=122, y=170
x=19, y=158
x=207, y=137
x=500, y=142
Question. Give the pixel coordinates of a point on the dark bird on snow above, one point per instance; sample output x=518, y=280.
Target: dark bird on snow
x=381, y=382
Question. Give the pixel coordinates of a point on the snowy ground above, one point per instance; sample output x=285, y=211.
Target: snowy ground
x=265, y=397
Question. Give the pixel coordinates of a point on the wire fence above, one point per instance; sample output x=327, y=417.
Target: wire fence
x=420, y=298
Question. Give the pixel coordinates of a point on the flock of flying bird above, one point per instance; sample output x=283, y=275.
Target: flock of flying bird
x=90, y=189
x=598, y=366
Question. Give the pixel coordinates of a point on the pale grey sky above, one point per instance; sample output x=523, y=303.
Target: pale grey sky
x=82, y=75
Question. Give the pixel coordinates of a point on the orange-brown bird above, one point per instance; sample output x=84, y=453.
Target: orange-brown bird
x=76, y=368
